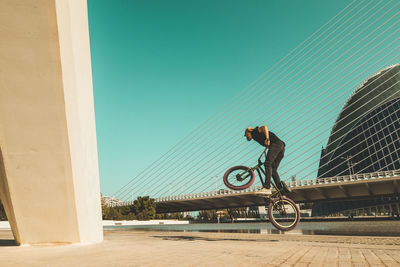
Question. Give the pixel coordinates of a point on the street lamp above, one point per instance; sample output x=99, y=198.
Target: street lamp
x=349, y=163
x=215, y=176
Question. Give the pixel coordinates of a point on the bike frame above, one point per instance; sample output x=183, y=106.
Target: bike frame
x=259, y=168
x=279, y=206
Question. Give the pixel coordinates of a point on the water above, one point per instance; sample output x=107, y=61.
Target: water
x=347, y=228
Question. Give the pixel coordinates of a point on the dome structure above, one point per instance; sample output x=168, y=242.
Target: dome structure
x=365, y=137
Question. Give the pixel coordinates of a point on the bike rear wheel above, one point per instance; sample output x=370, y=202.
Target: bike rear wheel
x=239, y=177
x=283, y=213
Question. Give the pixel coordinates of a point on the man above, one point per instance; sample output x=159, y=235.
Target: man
x=276, y=151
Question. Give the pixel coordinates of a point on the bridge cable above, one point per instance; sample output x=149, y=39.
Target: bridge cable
x=283, y=173
x=195, y=131
x=257, y=80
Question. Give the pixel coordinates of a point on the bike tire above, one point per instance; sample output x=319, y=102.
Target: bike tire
x=290, y=223
x=247, y=182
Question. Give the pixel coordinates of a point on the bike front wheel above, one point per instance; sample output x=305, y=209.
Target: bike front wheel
x=239, y=177
x=283, y=213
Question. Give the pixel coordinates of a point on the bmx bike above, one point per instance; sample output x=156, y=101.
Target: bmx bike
x=283, y=212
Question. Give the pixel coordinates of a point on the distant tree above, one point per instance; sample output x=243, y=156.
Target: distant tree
x=144, y=208
x=114, y=213
x=253, y=212
x=161, y=216
x=232, y=213
x=243, y=212
x=207, y=215
x=104, y=209
x=307, y=205
x=177, y=216
x=189, y=217
x=174, y=215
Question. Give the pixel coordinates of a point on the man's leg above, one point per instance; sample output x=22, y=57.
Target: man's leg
x=280, y=184
x=273, y=152
x=275, y=166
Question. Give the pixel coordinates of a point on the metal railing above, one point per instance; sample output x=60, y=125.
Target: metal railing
x=346, y=178
x=207, y=194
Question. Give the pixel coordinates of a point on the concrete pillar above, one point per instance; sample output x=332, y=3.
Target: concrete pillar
x=49, y=181
x=262, y=211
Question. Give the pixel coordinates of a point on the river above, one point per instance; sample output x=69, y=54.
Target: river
x=347, y=228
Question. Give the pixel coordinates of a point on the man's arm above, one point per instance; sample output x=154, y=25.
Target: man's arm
x=264, y=130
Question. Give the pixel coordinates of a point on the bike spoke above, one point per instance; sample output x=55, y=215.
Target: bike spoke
x=239, y=177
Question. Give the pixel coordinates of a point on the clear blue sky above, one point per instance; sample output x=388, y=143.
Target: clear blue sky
x=161, y=68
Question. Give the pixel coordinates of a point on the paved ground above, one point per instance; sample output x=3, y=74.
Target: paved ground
x=128, y=248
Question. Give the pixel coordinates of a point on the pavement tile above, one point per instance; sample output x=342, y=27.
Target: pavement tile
x=136, y=248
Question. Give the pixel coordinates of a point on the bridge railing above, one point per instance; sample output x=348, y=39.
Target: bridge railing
x=346, y=178
x=206, y=194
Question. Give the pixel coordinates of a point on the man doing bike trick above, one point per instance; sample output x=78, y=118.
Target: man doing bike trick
x=276, y=152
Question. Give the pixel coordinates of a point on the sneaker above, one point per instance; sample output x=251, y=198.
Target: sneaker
x=285, y=188
x=265, y=191
x=267, y=186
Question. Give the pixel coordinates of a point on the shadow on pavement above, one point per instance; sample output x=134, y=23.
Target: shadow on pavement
x=197, y=238
x=7, y=243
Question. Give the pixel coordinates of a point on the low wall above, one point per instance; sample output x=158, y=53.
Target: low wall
x=134, y=222
x=4, y=225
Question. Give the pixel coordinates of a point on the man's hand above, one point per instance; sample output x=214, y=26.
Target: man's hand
x=264, y=130
x=267, y=142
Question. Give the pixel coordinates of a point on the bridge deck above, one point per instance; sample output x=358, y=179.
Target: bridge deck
x=367, y=185
x=346, y=190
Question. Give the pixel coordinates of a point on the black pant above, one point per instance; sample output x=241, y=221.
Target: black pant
x=274, y=156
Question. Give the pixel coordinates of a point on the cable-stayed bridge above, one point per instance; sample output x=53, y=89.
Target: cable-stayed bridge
x=334, y=100
x=349, y=187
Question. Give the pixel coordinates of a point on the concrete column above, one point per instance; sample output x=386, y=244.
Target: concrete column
x=49, y=181
x=262, y=211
